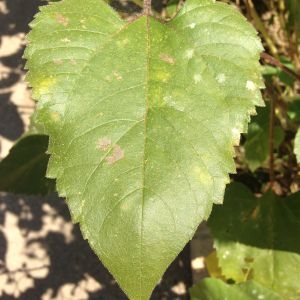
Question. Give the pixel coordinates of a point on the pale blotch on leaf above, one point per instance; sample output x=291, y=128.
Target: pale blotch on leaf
x=221, y=78
x=226, y=254
x=55, y=116
x=107, y=78
x=189, y=53
x=203, y=176
x=167, y=58
x=61, y=19
x=163, y=76
x=117, y=75
x=235, y=135
x=57, y=61
x=104, y=144
x=250, y=85
x=169, y=101
x=197, y=78
x=65, y=40
x=192, y=25
x=82, y=22
x=123, y=42
x=117, y=154
x=73, y=62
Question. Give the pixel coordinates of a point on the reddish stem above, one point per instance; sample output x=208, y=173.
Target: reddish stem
x=147, y=7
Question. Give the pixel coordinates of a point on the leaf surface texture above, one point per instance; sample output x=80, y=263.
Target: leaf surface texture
x=142, y=118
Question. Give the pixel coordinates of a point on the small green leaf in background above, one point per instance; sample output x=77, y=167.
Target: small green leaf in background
x=258, y=239
x=215, y=289
x=270, y=71
x=297, y=146
x=257, y=139
x=23, y=171
x=172, y=7
x=142, y=119
x=294, y=15
x=293, y=109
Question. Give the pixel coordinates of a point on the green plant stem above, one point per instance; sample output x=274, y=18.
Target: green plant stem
x=281, y=16
x=138, y=2
x=281, y=6
x=271, y=141
x=292, y=47
x=261, y=28
x=147, y=7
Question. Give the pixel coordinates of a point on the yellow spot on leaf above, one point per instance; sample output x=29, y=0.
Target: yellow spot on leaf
x=117, y=75
x=203, y=176
x=44, y=86
x=55, y=116
x=122, y=43
x=163, y=76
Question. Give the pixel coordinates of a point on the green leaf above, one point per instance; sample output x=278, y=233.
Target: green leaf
x=270, y=71
x=294, y=15
x=293, y=109
x=257, y=143
x=142, y=118
x=215, y=289
x=258, y=239
x=297, y=146
x=23, y=170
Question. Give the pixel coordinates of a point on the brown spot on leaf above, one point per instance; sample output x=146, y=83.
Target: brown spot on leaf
x=117, y=154
x=57, y=61
x=252, y=215
x=255, y=213
x=104, y=144
x=61, y=19
x=245, y=270
x=249, y=260
x=73, y=62
x=167, y=58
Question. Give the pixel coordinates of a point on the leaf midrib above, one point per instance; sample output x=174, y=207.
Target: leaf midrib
x=145, y=145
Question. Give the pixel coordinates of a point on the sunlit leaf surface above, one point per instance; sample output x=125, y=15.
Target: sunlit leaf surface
x=142, y=118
